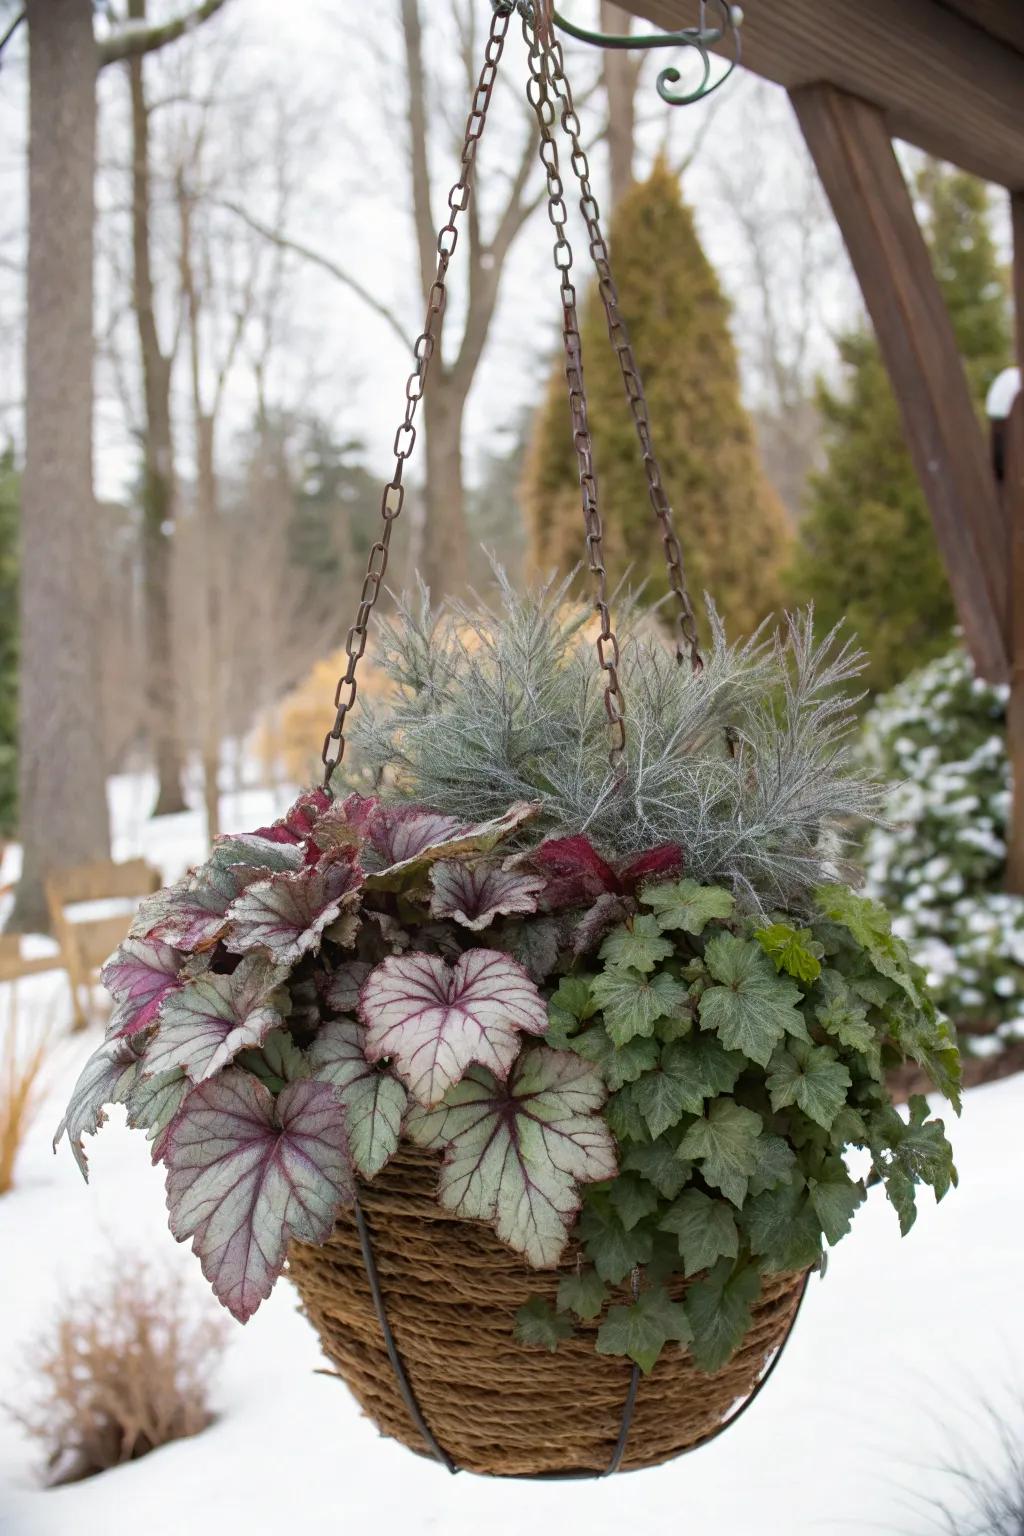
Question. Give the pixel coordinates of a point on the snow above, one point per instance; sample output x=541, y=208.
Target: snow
x=850, y=1436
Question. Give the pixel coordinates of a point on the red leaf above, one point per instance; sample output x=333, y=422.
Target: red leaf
x=297, y=823
x=576, y=873
x=662, y=863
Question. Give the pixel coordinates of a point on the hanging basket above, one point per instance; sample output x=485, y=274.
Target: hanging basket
x=450, y=1292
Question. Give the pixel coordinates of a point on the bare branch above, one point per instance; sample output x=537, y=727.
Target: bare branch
x=325, y=263
x=136, y=41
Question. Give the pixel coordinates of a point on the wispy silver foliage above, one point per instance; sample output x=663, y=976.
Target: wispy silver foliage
x=746, y=764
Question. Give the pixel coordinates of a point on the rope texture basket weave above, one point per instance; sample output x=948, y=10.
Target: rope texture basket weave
x=452, y=1291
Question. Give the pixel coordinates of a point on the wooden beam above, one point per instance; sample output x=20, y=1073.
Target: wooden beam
x=1017, y=225
x=1001, y=18
x=943, y=82
x=851, y=148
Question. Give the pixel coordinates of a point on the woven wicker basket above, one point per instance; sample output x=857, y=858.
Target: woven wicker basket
x=451, y=1291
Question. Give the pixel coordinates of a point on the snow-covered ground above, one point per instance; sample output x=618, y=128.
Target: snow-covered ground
x=886, y=1379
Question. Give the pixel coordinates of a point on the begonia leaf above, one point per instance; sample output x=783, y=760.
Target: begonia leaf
x=340, y=988
x=138, y=976
x=191, y=914
x=105, y=1079
x=434, y=1020
x=408, y=840
x=752, y=1007
x=575, y=872
x=247, y=1173
x=642, y=1329
x=718, y=1308
x=654, y=864
x=374, y=1101
x=704, y=1228
x=251, y=851
x=517, y=1152
x=604, y=914
x=205, y=1024
x=723, y=1144
x=287, y=914
x=687, y=905
x=297, y=823
x=538, y=1325
x=475, y=894
x=535, y=943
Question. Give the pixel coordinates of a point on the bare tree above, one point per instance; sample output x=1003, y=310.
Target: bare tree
x=620, y=72
x=62, y=775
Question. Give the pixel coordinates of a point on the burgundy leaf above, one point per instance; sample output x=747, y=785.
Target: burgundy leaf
x=204, y=1025
x=474, y=895
x=138, y=977
x=661, y=863
x=516, y=1153
x=247, y=1173
x=575, y=872
x=287, y=914
x=433, y=1020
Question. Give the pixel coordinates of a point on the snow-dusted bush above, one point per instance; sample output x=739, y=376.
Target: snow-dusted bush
x=940, y=864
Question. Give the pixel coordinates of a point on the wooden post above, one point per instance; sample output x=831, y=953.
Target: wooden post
x=851, y=147
x=1012, y=492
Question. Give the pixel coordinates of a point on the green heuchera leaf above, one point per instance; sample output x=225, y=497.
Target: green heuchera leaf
x=619, y=1064
x=538, y=1326
x=687, y=905
x=569, y=1007
x=633, y=1199
x=642, y=1330
x=775, y=1163
x=782, y=1228
x=718, y=1308
x=912, y=1152
x=583, y=1293
x=638, y=943
x=516, y=1151
x=706, y=1230
x=811, y=1077
x=793, y=950
x=703, y=1068
x=613, y=1251
x=844, y=1017
x=834, y=1198
x=660, y=1164
x=632, y=1003
x=663, y=1098
x=753, y=1008
x=869, y=924
x=724, y=1145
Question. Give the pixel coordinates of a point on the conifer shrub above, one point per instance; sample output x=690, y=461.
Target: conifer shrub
x=939, y=862
x=644, y=1015
x=735, y=530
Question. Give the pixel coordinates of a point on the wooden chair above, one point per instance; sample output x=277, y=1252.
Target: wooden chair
x=14, y=965
x=87, y=937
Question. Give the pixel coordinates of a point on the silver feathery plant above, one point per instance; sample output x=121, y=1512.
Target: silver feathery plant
x=746, y=764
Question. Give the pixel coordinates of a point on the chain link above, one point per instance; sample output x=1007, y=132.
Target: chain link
x=539, y=97
x=427, y=343
x=687, y=643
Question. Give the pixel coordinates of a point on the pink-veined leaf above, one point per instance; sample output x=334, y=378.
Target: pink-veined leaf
x=287, y=914
x=190, y=915
x=205, y=1024
x=433, y=1020
x=606, y=913
x=474, y=895
x=516, y=1152
x=251, y=851
x=409, y=840
x=247, y=1173
x=339, y=989
x=346, y=824
x=138, y=976
x=106, y=1078
x=297, y=823
x=374, y=1101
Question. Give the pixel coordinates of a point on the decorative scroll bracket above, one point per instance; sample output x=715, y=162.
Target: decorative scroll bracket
x=701, y=38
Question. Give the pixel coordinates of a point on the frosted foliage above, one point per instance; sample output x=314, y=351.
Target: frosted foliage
x=746, y=765
x=941, y=859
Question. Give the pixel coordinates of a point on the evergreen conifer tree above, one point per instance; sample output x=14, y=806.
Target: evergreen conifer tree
x=734, y=530
x=867, y=549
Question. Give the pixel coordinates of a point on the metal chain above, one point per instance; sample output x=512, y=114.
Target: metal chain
x=427, y=343
x=607, y=644
x=687, y=643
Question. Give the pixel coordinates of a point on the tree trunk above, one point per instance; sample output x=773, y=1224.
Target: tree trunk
x=62, y=775
x=444, y=564
x=157, y=469
x=620, y=72
x=206, y=506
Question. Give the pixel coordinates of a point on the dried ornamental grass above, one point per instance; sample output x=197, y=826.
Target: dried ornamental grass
x=124, y=1368
x=21, y=1073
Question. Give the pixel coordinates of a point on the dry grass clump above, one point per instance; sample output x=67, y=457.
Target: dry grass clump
x=21, y=1074
x=123, y=1369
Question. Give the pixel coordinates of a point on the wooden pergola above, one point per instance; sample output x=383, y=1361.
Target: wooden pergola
x=947, y=76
